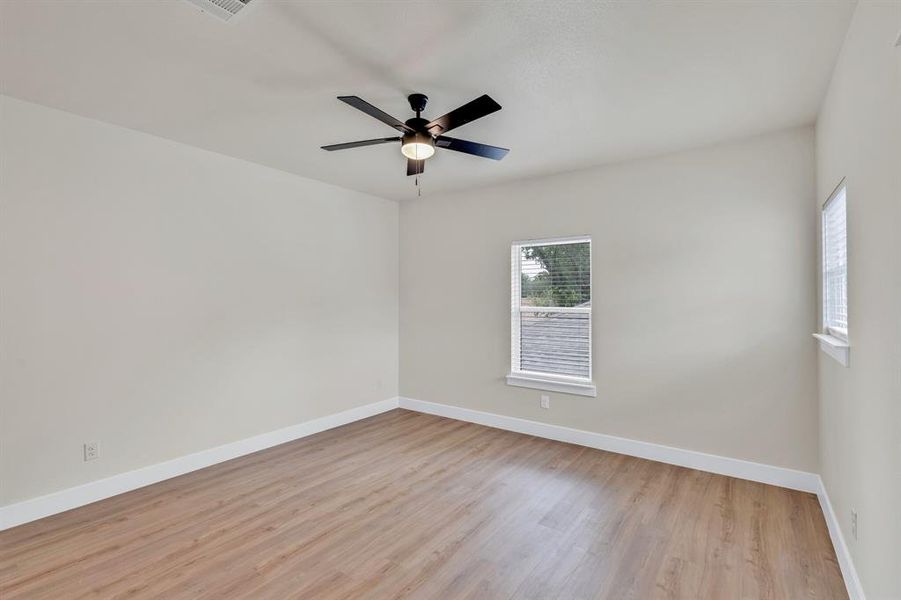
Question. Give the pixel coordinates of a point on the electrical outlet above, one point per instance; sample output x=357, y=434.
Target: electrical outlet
x=545, y=401
x=854, y=523
x=91, y=451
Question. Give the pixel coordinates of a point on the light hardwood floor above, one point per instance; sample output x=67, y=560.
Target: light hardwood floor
x=406, y=505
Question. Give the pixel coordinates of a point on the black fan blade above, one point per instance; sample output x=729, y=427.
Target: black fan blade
x=415, y=167
x=478, y=108
x=483, y=150
x=360, y=144
x=372, y=111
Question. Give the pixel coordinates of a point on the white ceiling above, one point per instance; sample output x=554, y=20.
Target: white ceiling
x=581, y=83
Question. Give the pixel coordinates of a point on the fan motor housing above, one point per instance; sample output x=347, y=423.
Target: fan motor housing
x=417, y=124
x=420, y=137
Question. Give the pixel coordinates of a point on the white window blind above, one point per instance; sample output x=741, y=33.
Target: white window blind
x=551, y=308
x=835, y=265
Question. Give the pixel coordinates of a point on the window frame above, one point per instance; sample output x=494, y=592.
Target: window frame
x=842, y=334
x=833, y=341
x=554, y=382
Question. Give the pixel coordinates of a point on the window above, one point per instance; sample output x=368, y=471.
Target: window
x=835, y=265
x=834, y=337
x=551, y=315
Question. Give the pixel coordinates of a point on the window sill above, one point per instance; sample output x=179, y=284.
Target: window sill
x=552, y=384
x=835, y=347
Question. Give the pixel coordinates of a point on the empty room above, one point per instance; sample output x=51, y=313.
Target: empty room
x=422, y=299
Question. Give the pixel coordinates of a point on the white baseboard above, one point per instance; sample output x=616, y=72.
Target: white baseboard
x=63, y=500
x=852, y=581
x=721, y=465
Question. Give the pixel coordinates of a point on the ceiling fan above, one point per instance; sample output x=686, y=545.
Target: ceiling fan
x=421, y=137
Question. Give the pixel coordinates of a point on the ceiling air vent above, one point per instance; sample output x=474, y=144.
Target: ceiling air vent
x=224, y=9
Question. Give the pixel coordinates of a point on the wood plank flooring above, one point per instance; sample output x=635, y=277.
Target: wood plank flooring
x=406, y=505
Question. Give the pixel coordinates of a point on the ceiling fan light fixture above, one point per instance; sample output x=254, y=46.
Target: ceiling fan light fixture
x=419, y=137
x=418, y=146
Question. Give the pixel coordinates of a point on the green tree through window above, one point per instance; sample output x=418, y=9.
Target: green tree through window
x=556, y=275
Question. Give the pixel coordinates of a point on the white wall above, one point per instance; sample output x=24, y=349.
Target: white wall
x=704, y=297
x=162, y=299
x=859, y=138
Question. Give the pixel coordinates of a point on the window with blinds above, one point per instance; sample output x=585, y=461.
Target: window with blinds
x=835, y=265
x=551, y=308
